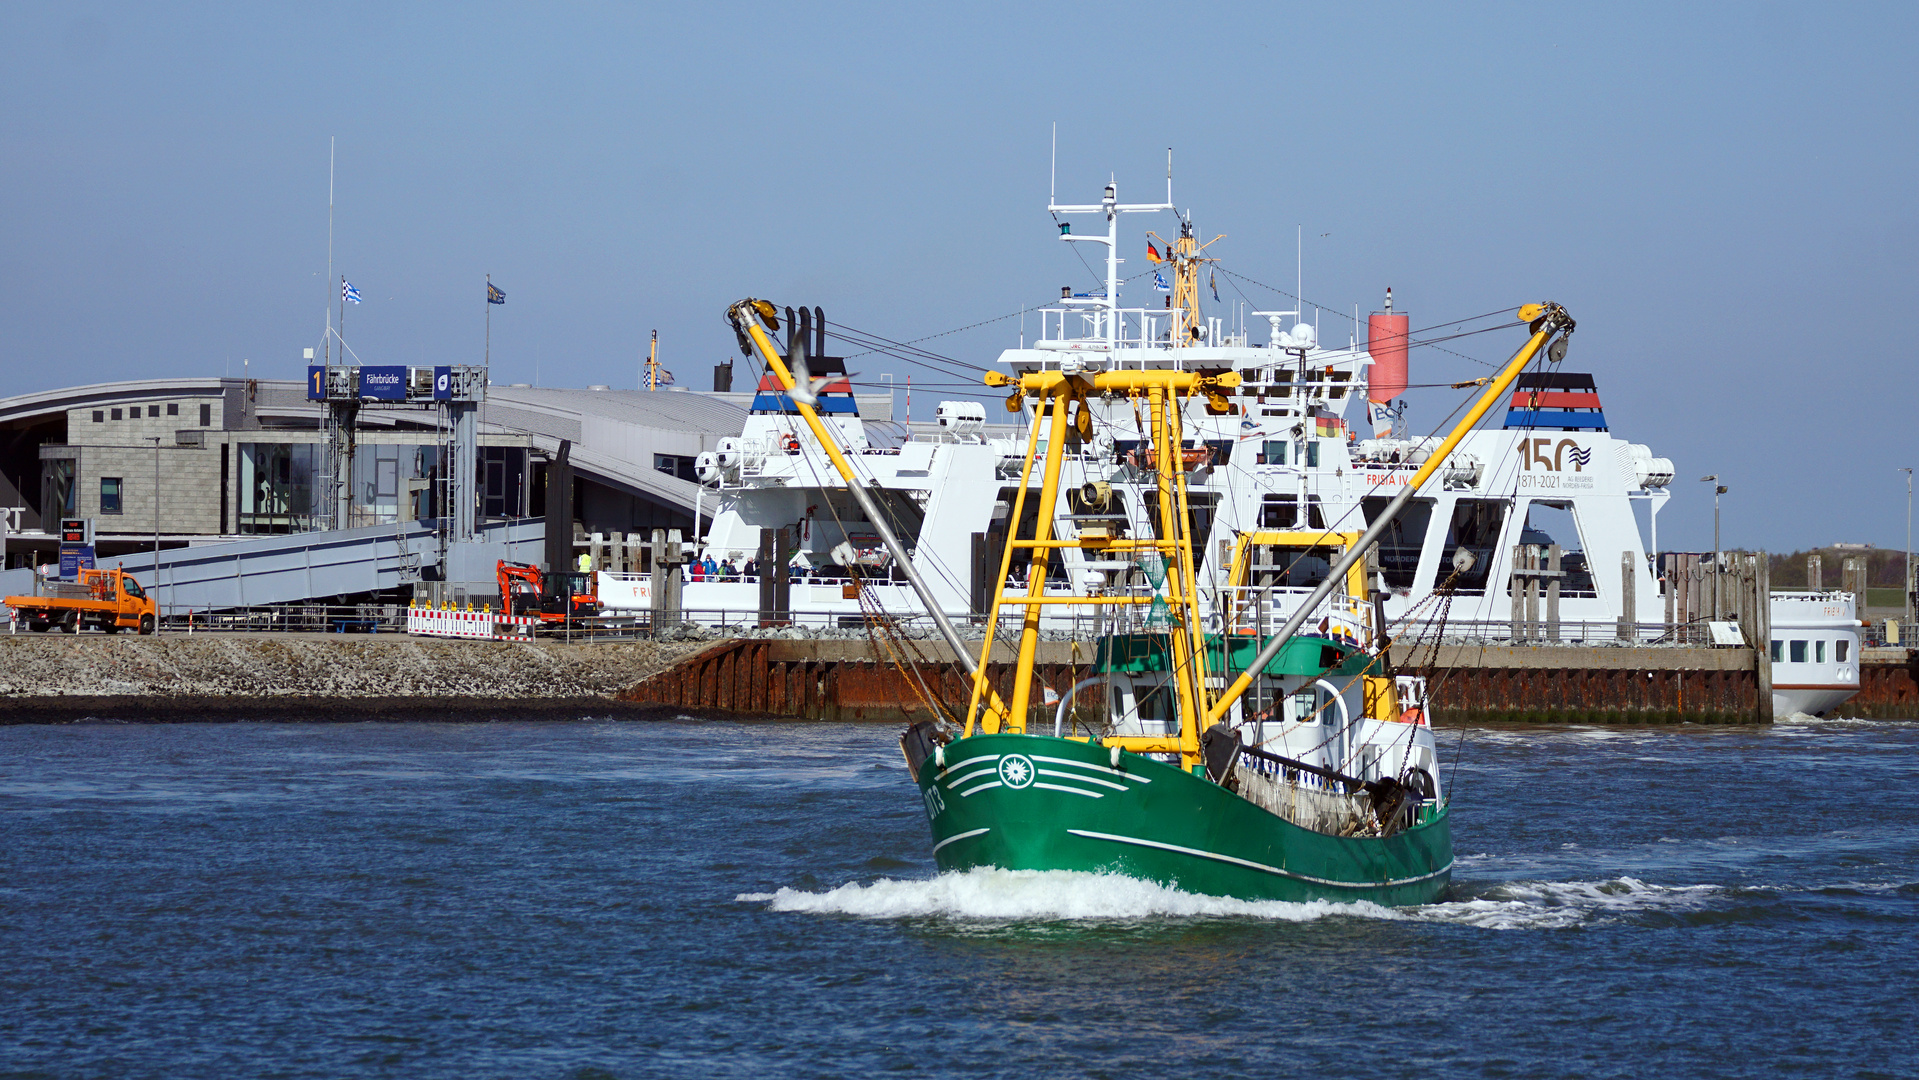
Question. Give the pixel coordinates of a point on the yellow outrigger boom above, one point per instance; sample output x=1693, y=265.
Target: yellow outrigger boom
x=1546, y=320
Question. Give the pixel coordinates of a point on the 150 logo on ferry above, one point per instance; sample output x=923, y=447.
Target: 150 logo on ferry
x=1545, y=463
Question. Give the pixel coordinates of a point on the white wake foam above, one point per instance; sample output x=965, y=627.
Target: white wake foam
x=1043, y=896
x=1553, y=905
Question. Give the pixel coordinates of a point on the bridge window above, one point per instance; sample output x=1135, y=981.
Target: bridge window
x=1282, y=512
x=1475, y=527
x=1549, y=523
x=109, y=494
x=1778, y=651
x=1273, y=451
x=1798, y=652
x=1841, y=649
x=1819, y=651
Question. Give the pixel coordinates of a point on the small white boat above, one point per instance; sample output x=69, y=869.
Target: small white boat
x=1815, y=651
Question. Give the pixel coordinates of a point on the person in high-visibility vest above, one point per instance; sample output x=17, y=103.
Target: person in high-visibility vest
x=586, y=564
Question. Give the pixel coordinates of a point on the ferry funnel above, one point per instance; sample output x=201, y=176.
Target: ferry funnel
x=1386, y=333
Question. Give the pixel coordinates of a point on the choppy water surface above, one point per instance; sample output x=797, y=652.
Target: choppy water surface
x=624, y=899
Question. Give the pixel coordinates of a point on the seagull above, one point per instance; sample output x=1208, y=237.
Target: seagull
x=806, y=385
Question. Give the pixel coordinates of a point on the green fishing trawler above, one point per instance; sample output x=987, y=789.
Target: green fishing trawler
x=1253, y=742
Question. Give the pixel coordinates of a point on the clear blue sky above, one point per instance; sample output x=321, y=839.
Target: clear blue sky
x=1721, y=194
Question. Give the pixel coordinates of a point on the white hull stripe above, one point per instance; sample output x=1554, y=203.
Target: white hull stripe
x=1216, y=857
x=1095, y=768
x=1074, y=790
x=982, y=787
x=958, y=765
x=1077, y=778
x=958, y=836
x=950, y=784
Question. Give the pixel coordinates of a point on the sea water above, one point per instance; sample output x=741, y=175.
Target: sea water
x=627, y=899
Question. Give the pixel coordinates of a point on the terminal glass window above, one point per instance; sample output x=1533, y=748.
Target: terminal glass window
x=173, y=408
x=57, y=487
x=277, y=486
x=206, y=416
x=109, y=494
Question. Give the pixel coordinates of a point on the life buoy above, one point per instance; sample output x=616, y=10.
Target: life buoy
x=792, y=444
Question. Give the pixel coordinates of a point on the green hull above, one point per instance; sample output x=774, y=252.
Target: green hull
x=1030, y=802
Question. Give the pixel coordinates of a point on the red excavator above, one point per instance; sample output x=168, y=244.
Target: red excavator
x=557, y=598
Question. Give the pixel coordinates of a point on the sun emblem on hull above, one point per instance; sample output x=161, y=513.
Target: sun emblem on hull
x=1015, y=770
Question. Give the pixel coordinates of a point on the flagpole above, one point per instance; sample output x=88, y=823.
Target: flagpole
x=327, y=345
x=487, y=363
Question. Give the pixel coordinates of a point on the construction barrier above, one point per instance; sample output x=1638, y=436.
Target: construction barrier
x=480, y=625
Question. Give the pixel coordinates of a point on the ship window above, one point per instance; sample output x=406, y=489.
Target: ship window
x=1282, y=512
x=1199, y=520
x=1288, y=566
x=1778, y=651
x=1549, y=523
x=1273, y=451
x=109, y=494
x=1819, y=651
x=1475, y=527
x=1399, y=548
x=1798, y=652
x=1841, y=649
x=1312, y=453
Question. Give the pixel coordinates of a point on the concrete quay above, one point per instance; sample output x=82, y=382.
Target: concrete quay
x=192, y=677
x=842, y=679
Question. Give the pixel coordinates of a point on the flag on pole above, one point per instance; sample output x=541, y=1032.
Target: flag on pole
x=494, y=295
x=1152, y=253
x=1213, y=279
x=1159, y=283
x=348, y=293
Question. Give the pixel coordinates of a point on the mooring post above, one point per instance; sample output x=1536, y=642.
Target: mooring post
x=1628, y=608
x=1762, y=622
x=1552, y=593
x=1515, y=587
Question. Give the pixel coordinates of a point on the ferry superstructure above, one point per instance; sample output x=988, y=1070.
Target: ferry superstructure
x=1278, y=451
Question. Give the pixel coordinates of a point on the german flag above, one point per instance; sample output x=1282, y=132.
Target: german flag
x=1152, y=253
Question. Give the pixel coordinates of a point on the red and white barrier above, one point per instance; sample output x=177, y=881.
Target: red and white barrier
x=479, y=625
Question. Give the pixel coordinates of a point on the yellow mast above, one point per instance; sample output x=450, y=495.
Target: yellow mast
x=1184, y=254
x=1058, y=400
x=653, y=363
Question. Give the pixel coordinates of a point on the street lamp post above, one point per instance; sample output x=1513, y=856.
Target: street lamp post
x=155, y=585
x=1718, y=490
x=1908, y=584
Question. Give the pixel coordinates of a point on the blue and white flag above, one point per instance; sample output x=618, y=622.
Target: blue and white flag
x=1159, y=283
x=348, y=292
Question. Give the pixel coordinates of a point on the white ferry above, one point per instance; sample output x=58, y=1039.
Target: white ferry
x=1280, y=453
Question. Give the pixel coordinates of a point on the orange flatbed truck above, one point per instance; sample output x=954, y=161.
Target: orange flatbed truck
x=107, y=600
